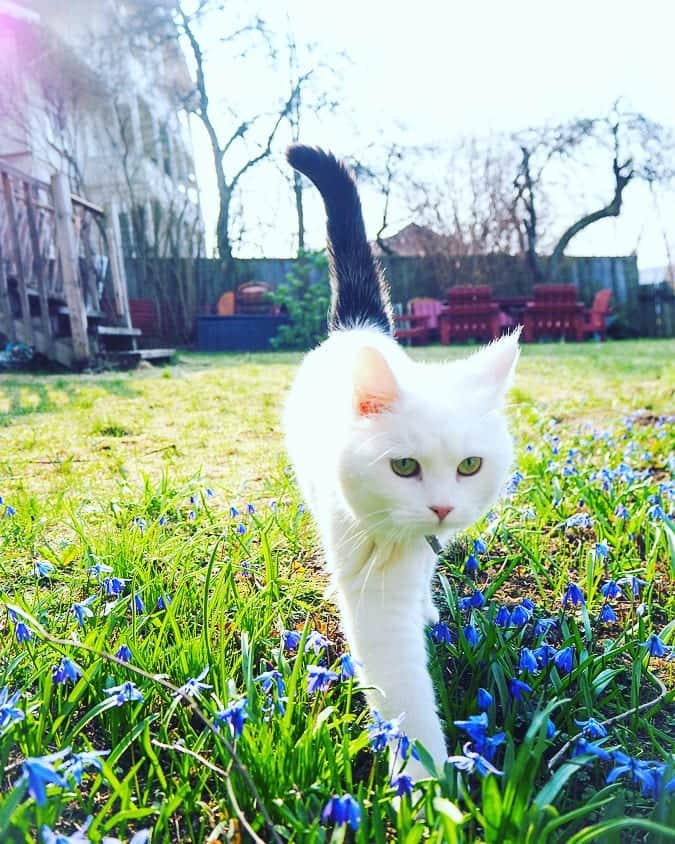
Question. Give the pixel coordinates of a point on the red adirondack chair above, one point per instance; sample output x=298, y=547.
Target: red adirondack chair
x=555, y=312
x=430, y=308
x=471, y=315
x=595, y=318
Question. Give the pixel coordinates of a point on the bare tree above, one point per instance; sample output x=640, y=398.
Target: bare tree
x=241, y=141
x=312, y=82
x=637, y=148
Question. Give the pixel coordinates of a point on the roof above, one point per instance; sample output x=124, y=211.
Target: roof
x=412, y=241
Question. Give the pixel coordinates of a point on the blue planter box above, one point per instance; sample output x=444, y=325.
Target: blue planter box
x=242, y=333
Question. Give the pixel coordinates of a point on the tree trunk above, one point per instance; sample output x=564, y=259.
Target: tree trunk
x=622, y=175
x=299, y=210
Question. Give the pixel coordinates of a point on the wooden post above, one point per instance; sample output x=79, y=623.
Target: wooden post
x=39, y=270
x=120, y=292
x=65, y=240
x=20, y=271
x=6, y=318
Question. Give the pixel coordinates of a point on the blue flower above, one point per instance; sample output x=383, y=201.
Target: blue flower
x=270, y=680
x=635, y=584
x=42, y=568
x=39, y=772
x=484, y=699
x=209, y=492
x=582, y=747
x=611, y=589
x=250, y=509
x=607, y=615
x=124, y=653
x=66, y=671
x=97, y=569
x=528, y=661
x=551, y=729
x=471, y=565
x=403, y=785
x=475, y=726
x=81, y=610
x=520, y=616
x=518, y=688
x=656, y=512
x=514, y=483
x=479, y=547
x=440, y=633
x=290, y=639
x=622, y=512
x=573, y=595
x=601, y=551
x=194, y=686
x=591, y=728
x=655, y=646
x=347, y=666
x=9, y=712
x=22, y=631
x=342, y=810
x=544, y=654
x=78, y=837
x=163, y=602
x=471, y=761
x=124, y=693
x=235, y=715
x=503, y=617
x=241, y=528
x=477, y=599
x=543, y=625
x=139, y=606
x=10, y=511
x=471, y=635
x=579, y=520
x=316, y=642
x=564, y=660
x=79, y=763
x=113, y=586
x=233, y=512
x=382, y=732
x=162, y=521
x=319, y=679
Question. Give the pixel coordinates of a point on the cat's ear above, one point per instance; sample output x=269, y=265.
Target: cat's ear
x=495, y=365
x=375, y=388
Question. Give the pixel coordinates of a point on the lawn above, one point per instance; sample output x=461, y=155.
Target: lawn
x=161, y=606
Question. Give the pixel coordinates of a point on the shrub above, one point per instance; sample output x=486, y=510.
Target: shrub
x=304, y=297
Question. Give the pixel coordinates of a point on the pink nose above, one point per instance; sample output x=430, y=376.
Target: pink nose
x=441, y=512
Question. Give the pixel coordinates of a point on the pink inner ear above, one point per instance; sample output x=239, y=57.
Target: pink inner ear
x=375, y=388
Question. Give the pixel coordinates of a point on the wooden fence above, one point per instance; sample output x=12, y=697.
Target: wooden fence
x=185, y=288
x=657, y=310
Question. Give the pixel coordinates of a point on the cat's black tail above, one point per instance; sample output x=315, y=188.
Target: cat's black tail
x=360, y=294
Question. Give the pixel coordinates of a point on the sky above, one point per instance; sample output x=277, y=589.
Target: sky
x=430, y=72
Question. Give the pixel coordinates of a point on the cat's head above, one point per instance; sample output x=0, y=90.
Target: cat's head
x=429, y=449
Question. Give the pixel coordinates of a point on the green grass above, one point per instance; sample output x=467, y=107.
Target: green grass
x=113, y=470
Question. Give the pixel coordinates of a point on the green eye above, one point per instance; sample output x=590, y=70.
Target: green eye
x=406, y=467
x=470, y=466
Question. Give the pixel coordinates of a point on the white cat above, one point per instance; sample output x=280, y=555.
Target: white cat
x=387, y=451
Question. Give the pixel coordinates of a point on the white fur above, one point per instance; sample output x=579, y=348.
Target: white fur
x=373, y=522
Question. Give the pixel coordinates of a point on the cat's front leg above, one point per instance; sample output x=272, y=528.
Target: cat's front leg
x=429, y=610
x=384, y=624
